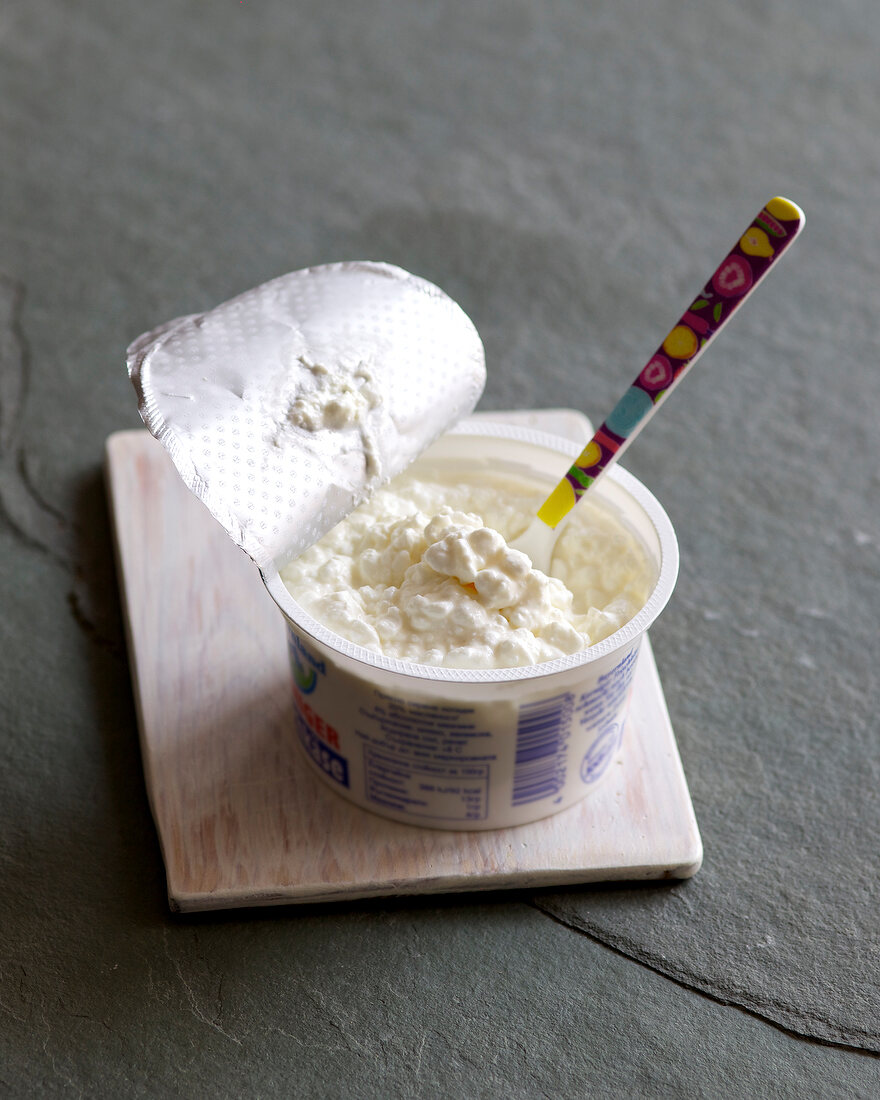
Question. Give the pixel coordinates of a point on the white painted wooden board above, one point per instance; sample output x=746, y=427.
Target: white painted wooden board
x=241, y=818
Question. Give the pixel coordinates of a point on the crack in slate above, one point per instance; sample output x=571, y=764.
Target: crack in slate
x=710, y=995
x=15, y=364
x=32, y=518
x=21, y=505
x=88, y=627
x=18, y=528
x=30, y=485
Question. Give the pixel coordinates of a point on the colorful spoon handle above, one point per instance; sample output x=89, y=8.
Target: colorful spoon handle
x=757, y=250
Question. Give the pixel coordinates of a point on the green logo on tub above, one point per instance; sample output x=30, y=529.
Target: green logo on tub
x=305, y=666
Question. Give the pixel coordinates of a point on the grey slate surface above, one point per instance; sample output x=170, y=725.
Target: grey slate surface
x=569, y=173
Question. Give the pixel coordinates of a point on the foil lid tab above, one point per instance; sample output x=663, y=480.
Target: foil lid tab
x=283, y=408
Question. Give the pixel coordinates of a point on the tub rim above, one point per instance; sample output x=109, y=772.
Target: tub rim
x=297, y=617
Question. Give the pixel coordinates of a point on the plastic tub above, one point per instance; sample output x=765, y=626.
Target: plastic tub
x=475, y=748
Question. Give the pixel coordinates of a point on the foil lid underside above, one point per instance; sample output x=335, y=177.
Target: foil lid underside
x=285, y=407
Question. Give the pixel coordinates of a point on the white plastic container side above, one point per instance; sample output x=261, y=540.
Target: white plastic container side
x=475, y=748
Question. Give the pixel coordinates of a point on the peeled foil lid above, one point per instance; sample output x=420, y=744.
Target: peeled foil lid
x=283, y=408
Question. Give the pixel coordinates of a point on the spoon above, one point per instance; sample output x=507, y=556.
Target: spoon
x=767, y=237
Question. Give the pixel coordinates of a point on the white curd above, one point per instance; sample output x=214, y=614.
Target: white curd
x=422, y=571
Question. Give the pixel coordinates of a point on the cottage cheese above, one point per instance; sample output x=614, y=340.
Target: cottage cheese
x=315, y=399
x=423, y=571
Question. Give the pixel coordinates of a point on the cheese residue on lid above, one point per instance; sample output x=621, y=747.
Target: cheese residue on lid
x=338, y=399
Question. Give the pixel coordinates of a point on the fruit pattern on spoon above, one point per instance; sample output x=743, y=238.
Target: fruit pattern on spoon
x=769, y=235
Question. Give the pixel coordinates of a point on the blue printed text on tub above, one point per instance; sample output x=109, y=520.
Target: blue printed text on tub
x=330, y=762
